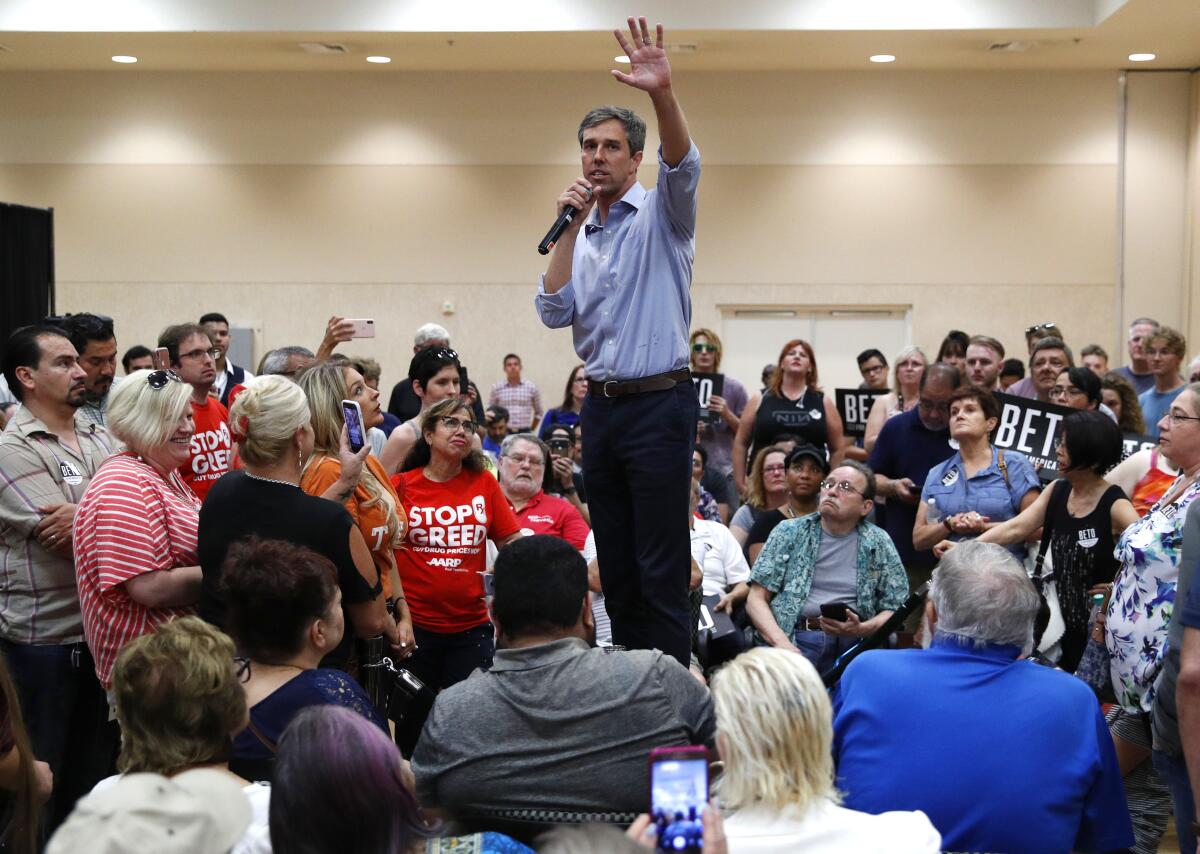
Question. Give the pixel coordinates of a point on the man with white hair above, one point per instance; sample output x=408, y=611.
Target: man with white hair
x=404, y=403
x=1002, y=754
x=521, y=472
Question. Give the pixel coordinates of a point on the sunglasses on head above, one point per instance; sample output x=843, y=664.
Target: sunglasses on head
x=1029, y=330
x=445, y=353
x=159, y=379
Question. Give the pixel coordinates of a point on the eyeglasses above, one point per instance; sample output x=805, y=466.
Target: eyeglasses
x=453, y=424
x=159, y=379
x=243, y=669
x=774, y=468
x=533, y=462
x=1175, y=416
x=1029, y=330
x=873, y=369
x=704, y=348
x=1066, y=391
x=840, y=486
x=212, y=353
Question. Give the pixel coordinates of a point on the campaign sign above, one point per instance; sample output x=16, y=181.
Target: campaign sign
x=1031, y=427
x=706, y=386
x=854, y=405
x=1134, y=442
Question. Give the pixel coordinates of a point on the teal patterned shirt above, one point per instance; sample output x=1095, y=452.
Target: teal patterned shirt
x=785, y=567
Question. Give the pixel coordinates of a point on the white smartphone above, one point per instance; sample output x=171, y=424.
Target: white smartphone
x=364, y=327
x=352, y=412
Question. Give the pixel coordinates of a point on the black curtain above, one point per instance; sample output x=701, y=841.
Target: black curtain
x=26, y=266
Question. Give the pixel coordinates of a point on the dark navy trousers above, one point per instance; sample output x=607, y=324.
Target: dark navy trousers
x=637, y=463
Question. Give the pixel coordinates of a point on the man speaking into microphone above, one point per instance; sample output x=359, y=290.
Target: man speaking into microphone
x=619, y=276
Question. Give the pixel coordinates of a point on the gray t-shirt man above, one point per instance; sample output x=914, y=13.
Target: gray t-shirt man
x=559, y=725
x=835, y=574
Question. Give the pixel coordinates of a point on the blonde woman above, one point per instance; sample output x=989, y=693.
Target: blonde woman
x=775, y=736
x=274, y=436
x=372, y=502
x=767, y=490
x=906, y=388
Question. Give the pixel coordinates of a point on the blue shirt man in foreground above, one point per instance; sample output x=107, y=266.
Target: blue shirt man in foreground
x=624, y=289
x=1002, y=754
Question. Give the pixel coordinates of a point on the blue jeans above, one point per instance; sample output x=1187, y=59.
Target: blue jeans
x=66, y=714
x=821, y=649
x=637, y=464
x=1174, y=772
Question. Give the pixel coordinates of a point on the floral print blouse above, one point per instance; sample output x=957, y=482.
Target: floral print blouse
x=1143, y=598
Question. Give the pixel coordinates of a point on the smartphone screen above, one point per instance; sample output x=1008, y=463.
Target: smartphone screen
x=678, y=795
x=354, y=425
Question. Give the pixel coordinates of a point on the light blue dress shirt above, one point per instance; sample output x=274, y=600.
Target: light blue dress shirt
x=628, y=301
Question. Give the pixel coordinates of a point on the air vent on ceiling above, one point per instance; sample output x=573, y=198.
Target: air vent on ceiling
x=324, y=48
x=1011, y=47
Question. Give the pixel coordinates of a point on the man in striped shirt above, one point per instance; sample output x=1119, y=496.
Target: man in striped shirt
x=48, y=454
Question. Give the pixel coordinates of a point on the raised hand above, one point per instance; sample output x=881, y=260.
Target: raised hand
x=649, y=69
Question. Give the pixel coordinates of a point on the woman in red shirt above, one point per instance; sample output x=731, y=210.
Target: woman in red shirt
x=454, y=506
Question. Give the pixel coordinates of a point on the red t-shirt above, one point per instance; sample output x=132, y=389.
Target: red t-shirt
x=212, y=447
x=449, y=525
x=549, y=514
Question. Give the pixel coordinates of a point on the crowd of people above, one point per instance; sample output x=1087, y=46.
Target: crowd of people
x=231, y=620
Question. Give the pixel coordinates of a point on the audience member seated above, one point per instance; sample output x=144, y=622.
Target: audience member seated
x=178, y=701
x=1084, y=515
x=806, y=468
x=274, y=436
x=833, y=556
x=564, y=478
x=929, y=729
x=135, y=529
x=720, y=559
x=372, y=503
x=201, y=811
x=767, y=489
x=713, y=506
x=522, y=468
x=980, y=486
x=1119, y=396
x=555, y=723
x=1165, y=350
x=775, y=734
x=285, y=613
x=792, y=403
x=953, y=349
x=454, y=506
x=906, y=388
x=434, y=375
x=572, y=404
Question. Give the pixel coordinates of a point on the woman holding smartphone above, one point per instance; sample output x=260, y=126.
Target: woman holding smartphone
x=372, y=503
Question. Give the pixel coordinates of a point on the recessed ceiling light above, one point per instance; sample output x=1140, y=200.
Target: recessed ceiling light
x=622, y=58
x=883, y=57
x=1141, y=57
x=124, y=59
x=380, y=60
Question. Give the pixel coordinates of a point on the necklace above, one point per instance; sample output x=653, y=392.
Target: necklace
x=270, y=479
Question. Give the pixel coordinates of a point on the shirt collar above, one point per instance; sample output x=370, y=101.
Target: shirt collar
x=955, y=645
x=634, y=197
x=530, y=657
x=27, y=424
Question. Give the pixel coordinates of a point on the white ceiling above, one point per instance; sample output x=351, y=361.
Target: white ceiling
x=471, y=35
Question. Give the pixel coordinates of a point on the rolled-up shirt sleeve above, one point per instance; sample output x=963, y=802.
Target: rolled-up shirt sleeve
x=677, y=187
x=557, y=309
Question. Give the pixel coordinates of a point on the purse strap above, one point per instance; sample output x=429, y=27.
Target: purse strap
x=266, y=742
x=1039, y=579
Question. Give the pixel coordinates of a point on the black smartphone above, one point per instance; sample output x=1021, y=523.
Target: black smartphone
x=464, y=384
x=559, y=447
x=352, y=412
x=836, y=611
x=678, y=795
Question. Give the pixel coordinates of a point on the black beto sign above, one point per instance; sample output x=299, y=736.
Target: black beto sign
x=1031, y=427
x=854, y=405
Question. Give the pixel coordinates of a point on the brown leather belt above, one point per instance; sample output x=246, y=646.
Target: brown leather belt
x=620, y=388
x=808, y=624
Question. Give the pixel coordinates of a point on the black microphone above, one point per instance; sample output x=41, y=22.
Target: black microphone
x=560, y=225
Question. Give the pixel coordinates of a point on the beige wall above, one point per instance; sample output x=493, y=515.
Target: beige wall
x=984, y=201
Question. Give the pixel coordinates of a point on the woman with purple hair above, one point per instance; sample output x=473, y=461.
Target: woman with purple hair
x=341, y=785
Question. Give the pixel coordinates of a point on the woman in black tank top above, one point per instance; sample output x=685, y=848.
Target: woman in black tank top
x=792, y=403
x=1083, y=516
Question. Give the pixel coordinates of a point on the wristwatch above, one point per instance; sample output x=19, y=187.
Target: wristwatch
x=570, y=490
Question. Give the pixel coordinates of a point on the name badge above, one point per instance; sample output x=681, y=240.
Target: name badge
x=69, y=473
x=951, y=477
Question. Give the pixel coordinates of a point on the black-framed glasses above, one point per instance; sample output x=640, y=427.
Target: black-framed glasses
x=1066, y=391
x=840, y=486
x=159, y=379
x=452, y=424
x=243, y=668
x=213, y=352
x=1029, y=330
x=704, y=348
x=872, y=369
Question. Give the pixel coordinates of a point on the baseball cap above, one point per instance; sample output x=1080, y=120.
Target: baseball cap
x=203, y=811
x=808, y=450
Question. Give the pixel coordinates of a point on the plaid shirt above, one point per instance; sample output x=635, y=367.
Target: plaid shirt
x=523, y=402
x=94, y=412
x=38, y=599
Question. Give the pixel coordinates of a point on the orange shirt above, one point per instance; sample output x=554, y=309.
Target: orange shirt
x=371, y=521
x=212, y=447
